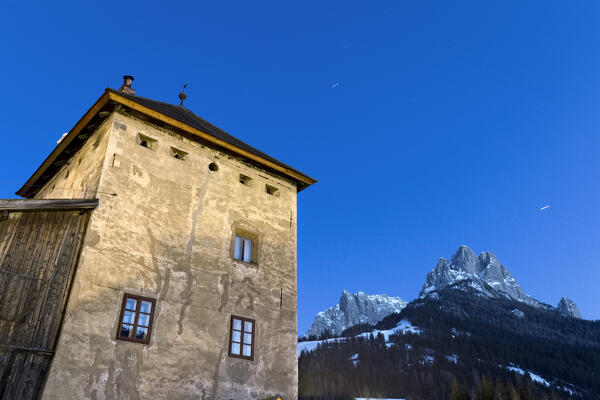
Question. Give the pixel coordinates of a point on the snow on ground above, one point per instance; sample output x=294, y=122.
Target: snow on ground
x=566, y=389
x=534, y=377
x=427, y=360
x=312, y=345
x=403, y=327
x=455, y=332
x=452, y=358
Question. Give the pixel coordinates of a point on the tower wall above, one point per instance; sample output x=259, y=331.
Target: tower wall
x=164, y=229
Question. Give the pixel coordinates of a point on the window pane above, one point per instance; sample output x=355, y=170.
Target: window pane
x=237, y=251
x=128, y=317
x=146, y=307
x=126, y=331
x=247, y=250
x=247, y=350
x=235, y=348
x=237, y=336
x=144, y=320
x=248, y=338
x=237, y=324
x=131, y=303
x=141, y=333
x=247, y=326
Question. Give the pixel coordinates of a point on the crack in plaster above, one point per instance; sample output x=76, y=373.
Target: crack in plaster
x=224, y=284
x=93, y=377
x=161, y=288
x=186, y=266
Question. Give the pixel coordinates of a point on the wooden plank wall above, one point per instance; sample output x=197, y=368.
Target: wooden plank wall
x=38, y=257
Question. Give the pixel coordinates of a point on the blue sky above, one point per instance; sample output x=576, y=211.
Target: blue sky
x=429, y=124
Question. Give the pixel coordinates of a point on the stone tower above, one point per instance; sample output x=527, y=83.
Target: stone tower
x=185, y=286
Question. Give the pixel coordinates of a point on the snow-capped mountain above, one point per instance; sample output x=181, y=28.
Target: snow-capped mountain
x=567, y=307
x=484, y=271
x=354, y=309
x=487, y=275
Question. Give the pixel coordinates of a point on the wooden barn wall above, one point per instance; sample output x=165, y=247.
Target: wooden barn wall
x=38, y=256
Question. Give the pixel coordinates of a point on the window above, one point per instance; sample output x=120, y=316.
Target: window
x=243, y=249
x=241, y=338
x=135, y=323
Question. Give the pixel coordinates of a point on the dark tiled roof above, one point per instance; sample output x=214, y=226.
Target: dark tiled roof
x=187, y=117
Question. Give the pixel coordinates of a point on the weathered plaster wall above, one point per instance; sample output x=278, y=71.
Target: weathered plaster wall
x=167, y=234
x=79, y=178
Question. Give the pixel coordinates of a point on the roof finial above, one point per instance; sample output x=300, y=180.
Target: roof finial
x=182, y=95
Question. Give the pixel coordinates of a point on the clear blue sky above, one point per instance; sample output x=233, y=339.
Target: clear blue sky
x=429, y=124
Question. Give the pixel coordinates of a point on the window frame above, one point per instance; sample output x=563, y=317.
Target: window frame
x=253, y=333
x=139, y=300
x=245, y=235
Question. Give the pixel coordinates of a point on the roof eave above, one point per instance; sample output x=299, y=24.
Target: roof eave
x=303, y=181
x=26, y=189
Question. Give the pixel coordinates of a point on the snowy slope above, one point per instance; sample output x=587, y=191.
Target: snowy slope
x=403, y=327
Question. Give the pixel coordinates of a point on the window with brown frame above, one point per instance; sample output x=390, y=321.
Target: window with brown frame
x=135, y=323
x=241, y=337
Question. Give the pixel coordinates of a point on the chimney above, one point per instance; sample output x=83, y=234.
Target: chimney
x=126, y=87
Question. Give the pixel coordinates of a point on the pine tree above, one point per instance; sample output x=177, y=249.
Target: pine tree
x=498, y=390
x=486, y=392
x=458, y=391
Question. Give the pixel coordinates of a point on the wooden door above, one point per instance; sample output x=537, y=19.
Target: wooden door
x=38, y=257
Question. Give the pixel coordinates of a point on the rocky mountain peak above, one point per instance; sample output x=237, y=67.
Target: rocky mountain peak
x=568, y=307
x=465, y=259
x=484, y=271
x=353, y=309
x=486, y=274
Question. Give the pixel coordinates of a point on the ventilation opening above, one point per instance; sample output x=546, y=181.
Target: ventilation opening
x=245, y=180
x=146, y=141
x=178, y=154
x=213, y=167
x=272, y=190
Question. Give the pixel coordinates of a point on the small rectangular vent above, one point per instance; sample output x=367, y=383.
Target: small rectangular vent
x=146, y=141
x=178, y=154
x=272, y=190
x=245, y=180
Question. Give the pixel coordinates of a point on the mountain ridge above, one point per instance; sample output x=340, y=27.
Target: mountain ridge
x=484, y=273
x=458, y=334
x=354, y=309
